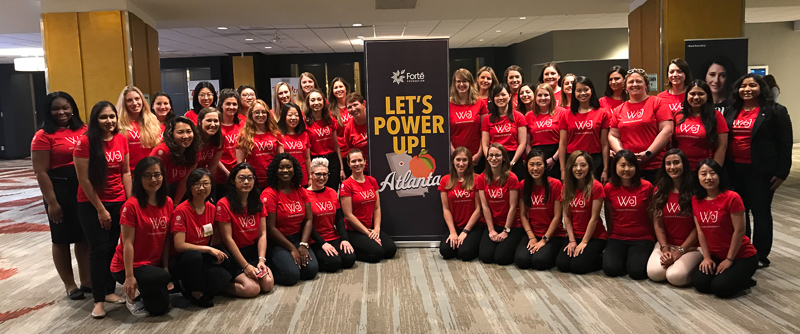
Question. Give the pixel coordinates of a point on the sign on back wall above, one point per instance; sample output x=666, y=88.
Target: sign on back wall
x=409, y=136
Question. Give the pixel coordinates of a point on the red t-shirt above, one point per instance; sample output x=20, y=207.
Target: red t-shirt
x=541, y=213
x=638, y=126
x=630, y=219
x=690, y=137
x=742, y=134
x=174, y=172
x=265, y=148
x=609, y=103
x=356, y=137
x=714, y=217
x=543, y=128
x=504, y=131
x=151, y=224
x=321, y=137
x=185, y=219
x=230, y=138
x=499, y=198
x=583, y=130
x=363, y=197
x=581, y=210
x=323, y=206
x=60, y=144
x=206, y=155
x=462, y=202
x=673, y=101
x=465, y=125
x=290, y=208
x=115, y=151
x=346, y=117
x=135, y=149
x=296, y=145
x=557, y=98
x=191, y=115
x=244, y=227
x=678, y=227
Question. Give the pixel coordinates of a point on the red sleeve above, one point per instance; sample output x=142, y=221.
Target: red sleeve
x=373, y=182
x=41, y=141
x=661, y=110
x=178, y=221
x=480, y=182
x=562, y=121
x=513, y=182
x=304, y=196
x=483, y=109
x=606, y=188
x=485, y=124
x=722, y=125
x=613, y=121
x=519, y=119
x=269, y=199
x=306, y=140
x=597, y=191
x=443, y=183
x=557, y=190
x=334, y=124
x=82, y=149
x=223, y=215
x=346, y=190
x=128, y=215
x=335, y=199
x=606, y=118
x=735, y=202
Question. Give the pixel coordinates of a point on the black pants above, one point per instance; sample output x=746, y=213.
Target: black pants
x=543, y=259
x=368, y=250
x=585, y=263
x=622, y=256
x=502, y=252
x=284, y=269
x=647, y=174
x=152, y=283
x=333, y=168
x=199, y=272
x=727, y=284
x=468, y=250
x=754, y=187
x=549, y=151
x=481, y=165
x=102, y=245
x=65, y=186
x=332, y=264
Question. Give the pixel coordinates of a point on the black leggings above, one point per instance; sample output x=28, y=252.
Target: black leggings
x=199, y=272
x=754, y=187
x=543, y=259
x=502, y=252
x=332, y=264
x=333, y=168
x=585, y=263
x=468, y=250
x=152, y=282
x=623, y=256
x=102, y=245
x=727, y=284
x=368, y=250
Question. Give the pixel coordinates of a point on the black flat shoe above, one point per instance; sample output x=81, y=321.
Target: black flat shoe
x=75, y=294
x=762, y=265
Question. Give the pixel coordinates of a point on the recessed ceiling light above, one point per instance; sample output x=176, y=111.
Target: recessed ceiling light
x=248, y=39
x=356, y=24
x=268, y=47
x=480, y=40
x=522, y=17
x=222, y=28
x=362, y=37
x=498, y=30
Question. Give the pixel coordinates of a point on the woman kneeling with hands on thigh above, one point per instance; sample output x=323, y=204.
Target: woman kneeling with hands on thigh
x=461, y=208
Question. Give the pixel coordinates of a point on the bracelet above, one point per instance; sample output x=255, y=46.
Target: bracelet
x=262, y=258
x=465, y=231
x=662, y=246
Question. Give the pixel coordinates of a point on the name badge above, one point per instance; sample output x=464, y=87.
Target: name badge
x=208, y=230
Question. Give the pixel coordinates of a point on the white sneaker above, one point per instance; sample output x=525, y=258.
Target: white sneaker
x=137, y=308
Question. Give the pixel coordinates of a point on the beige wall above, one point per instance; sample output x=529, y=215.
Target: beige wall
x=778, y=46
x=595, y=44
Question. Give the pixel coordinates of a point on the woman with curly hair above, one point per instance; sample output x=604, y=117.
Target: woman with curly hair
x=178, y=154
x=259, y=141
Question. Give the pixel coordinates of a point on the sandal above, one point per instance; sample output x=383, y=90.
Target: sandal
x=75, y=294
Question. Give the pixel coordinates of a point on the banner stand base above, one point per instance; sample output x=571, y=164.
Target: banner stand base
x=417, y=244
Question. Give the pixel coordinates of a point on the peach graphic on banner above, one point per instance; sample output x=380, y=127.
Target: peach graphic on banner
x=422, y=165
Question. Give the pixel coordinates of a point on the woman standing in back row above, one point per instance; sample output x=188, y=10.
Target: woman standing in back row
x=466, y=113
x=615, y=93
x=138, y=124
x=679, y=77
x=204, y=95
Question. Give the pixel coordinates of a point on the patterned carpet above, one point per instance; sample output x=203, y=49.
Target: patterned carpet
x=417, y=292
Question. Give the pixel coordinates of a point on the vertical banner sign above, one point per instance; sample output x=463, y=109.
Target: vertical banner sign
x=409, y=135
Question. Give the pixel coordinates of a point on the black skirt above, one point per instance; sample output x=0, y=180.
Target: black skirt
x=65, y=186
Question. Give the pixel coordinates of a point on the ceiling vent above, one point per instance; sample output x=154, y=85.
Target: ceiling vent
x=395, y=4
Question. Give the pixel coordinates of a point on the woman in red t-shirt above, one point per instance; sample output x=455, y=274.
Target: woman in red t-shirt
x=361, y=205
x=282, y=94
x=615, y=93
x=498, y=189
x=355, y=131
x=248, y=97
x=204, y=95
x=260, y=141
x=676, y=254
x=542, y=116
x=630, y=231
x=540, y=213
x=289, y=223
x=307, y=83
x=209, y=139
x=295, y=137
x=162, y=108
x=506, y=126
x=513, y=77
x=461, y=208
x=642, y=124
x=466, y=113
x=138, y=124
x=140, y=261
x=243, y=230
x=487, y=79
x=567, y=87
x=729, y=259
x=581, y=201
x=700, y=131
x=51, y=154
x=584, y=126
x=197, y=265
x=104, y=182
x=679, y=76
x=178, y=155
x=551, y=75
x=338, y=108
x=323, y=132
x=230, y=128
x=330, y=236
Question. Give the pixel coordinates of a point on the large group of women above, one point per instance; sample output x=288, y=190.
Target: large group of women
x=235, y=196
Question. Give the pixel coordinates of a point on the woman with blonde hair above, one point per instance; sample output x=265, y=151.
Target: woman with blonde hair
x=307, y=83
x=282, y=94
x=259, y=141
x=466, y=113
x=137, y=123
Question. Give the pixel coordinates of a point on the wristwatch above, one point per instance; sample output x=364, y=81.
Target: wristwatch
x=466, y=231
x=507, y=230
x=545, y=238
x=680, y=249
x=648, y=154
x=304, y=244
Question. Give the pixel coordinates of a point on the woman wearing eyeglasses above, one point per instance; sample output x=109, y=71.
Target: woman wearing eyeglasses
x=330, y=245
x=204, y=95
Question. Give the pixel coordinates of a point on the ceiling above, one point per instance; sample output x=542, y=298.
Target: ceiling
x=190, y=28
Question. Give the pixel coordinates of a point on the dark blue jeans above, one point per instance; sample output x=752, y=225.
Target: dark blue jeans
x=285, y=271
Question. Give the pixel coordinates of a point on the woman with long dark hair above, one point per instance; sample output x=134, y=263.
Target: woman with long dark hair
x=585, y=127
x=248, y=96
x=138, y=124
x=678, y=78
x=513, y=77
x=542, y=122
x=615, y=93
x=461, y=208
x=295, y=137
x=178, y=155
x=567, y=87
x=51, y=154
x=141, y=259
x=466, y=113
x=323, y=132
x=260, y=141
x=700, y=131
x=307, y=83
x=204, y=95
x=506, y=126
x=498, y=189
x=338, y=108
x=231, y=126
x=289, y=222
x=720, y=73
x=331, y=245
x=540, y=213
x=162, y=108
x=676, y=254
x=209, y=139
x=729, y=259
x=759, y=154
x=104, y=182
